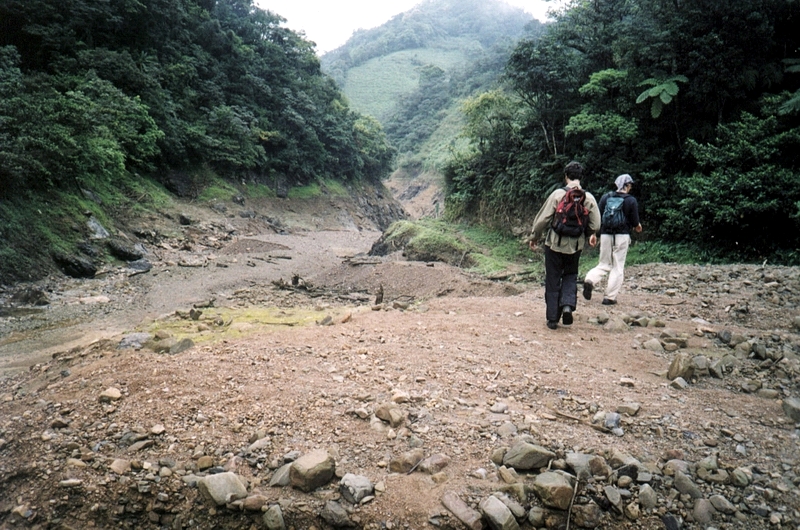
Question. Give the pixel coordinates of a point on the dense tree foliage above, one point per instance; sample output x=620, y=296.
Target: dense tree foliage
x=94, y=89
x=697, y=99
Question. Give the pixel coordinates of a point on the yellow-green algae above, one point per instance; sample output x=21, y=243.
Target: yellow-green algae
x=223, y=323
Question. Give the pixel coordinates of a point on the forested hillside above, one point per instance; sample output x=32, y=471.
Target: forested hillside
x=101, y=95
x=698, y=100
x=412, y=72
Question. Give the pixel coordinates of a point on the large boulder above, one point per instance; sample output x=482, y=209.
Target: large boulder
x=75, y=266
x=124, y=251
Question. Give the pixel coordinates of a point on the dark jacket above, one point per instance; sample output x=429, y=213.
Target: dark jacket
x=629, y=207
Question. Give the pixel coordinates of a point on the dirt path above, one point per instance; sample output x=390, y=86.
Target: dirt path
x=449, y=366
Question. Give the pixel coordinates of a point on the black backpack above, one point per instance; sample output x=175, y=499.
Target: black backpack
x=572, y=217
x=614, y=220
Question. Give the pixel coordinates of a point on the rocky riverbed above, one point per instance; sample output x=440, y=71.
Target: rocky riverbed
x=251, y=379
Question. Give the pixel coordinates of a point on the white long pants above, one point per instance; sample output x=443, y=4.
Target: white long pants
x=613, y=251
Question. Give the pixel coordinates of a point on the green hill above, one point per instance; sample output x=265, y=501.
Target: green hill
x=412, y=72
x=376, y=86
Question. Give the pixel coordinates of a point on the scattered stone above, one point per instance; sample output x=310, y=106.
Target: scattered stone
x=703, y=511
x=525, y=456
x=516, y=508
x=586, y=466
x=273, y=518
x=632, y=511
x=553, y=489
x=791, y=407
x=741, y=477
x=685, y=485
x=259, y=445
x=614, y=497
x=587, y=515
x=120, y=466
x=471, y=518
x=508, y=475
x=506, y=430
x=721, y=504
x=499, y=408
x=110, y=394
x=281, y=476
x=653, y=345
x=134, y=341
x=611, y=420
x=390, y=413
x=682, y=366
x=222, y=488
x=720, y=367
x=630, y=409
x=139, y=266
x=405, y=462
x=648, y=499
x=498, y=515
x=671, y=522
x=679, y=384
x=536, y=516
x=615, y=324
x=312, y=470
x=354, y=488
x=254, y=503
x=205, y=462
x=335, y=515
x=181, y=346
x=434, y=464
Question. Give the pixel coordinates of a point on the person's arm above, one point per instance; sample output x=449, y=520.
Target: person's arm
x=543, y=219
x=594, y=217
x=633, y=216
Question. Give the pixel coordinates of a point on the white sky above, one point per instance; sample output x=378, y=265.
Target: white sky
x=329, y=23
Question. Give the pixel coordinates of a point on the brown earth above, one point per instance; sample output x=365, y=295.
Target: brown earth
x=305, y=363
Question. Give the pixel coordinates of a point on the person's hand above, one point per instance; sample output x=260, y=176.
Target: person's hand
x=532, y=244
x=593, y=240
x=638, y=228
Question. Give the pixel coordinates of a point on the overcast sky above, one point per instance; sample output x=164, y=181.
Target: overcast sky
x=329, y=23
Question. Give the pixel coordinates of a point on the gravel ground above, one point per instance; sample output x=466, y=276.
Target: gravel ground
x=448, y=365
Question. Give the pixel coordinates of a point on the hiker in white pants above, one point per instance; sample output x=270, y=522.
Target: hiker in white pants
x=619, y=213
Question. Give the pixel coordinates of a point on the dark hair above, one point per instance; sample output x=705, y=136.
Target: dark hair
x=573, y=170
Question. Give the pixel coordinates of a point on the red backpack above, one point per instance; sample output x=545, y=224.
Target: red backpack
x=572, y=217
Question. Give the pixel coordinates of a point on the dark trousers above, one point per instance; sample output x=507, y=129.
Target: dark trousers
x=560, y=281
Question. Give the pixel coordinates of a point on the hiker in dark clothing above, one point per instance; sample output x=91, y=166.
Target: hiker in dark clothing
x=619, y=213
x=562, y=252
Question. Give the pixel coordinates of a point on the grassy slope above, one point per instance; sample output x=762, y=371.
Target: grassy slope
x=374, y=87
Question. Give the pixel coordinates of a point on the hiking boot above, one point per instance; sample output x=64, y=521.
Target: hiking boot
x=566, y=315
x=608, y=301
x=587, y=290
x=552, y=324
